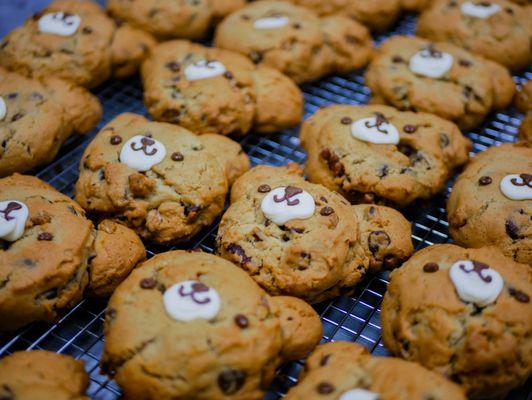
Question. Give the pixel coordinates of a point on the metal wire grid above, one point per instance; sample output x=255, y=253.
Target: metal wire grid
x=356, y=318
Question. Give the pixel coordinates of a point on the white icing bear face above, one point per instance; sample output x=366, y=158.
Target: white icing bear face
x=204, y=69
x=59, y=23
x=142, y=153
x=517, y=186
x=272, y=22
x=13, y=216
x=375, y=130
x=476, y=282
x=286, y=203
x=3, y=108
x=190, y=300
x=359, y=394
x=480, y=9
x=431, y=63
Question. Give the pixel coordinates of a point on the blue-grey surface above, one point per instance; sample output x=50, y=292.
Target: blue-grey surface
x=14, y=12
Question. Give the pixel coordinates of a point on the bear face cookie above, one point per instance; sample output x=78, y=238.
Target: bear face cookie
x=491, y=202
x=48, y=250
x=159, y=179
x=300, y=239
x=37, y=116
x=76, y=41
x=374, y=154
x=294, y=40
x=208, y=90
x=346, y=371
x=464, y=313
x=182, y=313
x=440, y=78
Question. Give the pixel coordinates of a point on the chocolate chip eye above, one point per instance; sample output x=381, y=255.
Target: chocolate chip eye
x=87, y=30
x=519, y=295
x=46, y=236
x=297, y=25
x=148, y=283
x=326, y=211
x=231, y=380
x=241, y=321
x=173, y=66
x=325, y=388
x=115, y=139
x=264, y=188
x=431, y=267
x=484, y=180
x=397, y=59
x=410, y=128
x=12, y=96
x=346, y=121
x=228, y=75
x=464, y=63
x=177, y=156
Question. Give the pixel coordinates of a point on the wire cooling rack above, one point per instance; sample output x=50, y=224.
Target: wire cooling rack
x=355, y=318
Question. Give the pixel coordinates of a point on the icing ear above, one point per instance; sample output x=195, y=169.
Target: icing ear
x=504, y=86
x=229, y=154
x=117, y=251
x=300, y=324
x=129, y=49
x=279, y=100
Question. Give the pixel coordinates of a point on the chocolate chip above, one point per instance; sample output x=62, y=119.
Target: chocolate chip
x=46, y=236
x=297, y=25
x=397, y=59
x=171, y=115
x=228, y=75
x=16, y=117
x=519, y=295
x=444, y=140
x=191, y=209
x=464, y=63
x=173, y=66
x=509, y=10
x=346, y=121
x=148, y=283
x=383, y=171
x=12, y=96
x=241, y=321
x=245, y=17
x=256, y=57
x=512, y=229
x=325, y=388
x=325, y=154
x=325, y=359
x=177, y=156
x=231, y=380
x=378, y=239
x=431, y=267
x=87, y=30
x=239, y=251
x=406, y=149
x=326, y=211
x=264, y=188
x=410, y=128
x=115, y=139
x=484, y=180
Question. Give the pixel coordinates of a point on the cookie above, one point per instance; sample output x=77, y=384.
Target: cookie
x=523, y=97
x=464, y=313
x=42, y=375
x=50, y=254
x=37, y=116
x=178, y=328
x=208, y=90
x=376, y=154
x=377, y=15
x=77, y=41
x=496, y=29
x=159, y=179
x=346, y=371
x=491, y=202
x=414, y=74
x=415, y=5
x=171, y=19
x=300, y=239
x=294, y=40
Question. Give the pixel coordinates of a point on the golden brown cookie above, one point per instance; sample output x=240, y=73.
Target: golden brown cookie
x=294, y=40
x=159, y=179
x=37, y=116
x=414, y=74
x=300, y=239
x=346, y=371
x=208, y=90
x=50, y=253
x=376, y=154
x=415, y=5
x=195, y=326
x=42, y=375
x=464, y=313
x=491, y=202
x=77, y=41
x=523, y=97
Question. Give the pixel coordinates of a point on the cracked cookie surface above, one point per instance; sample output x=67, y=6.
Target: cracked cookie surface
x=317, y=257
x=470, y=88
x=209, y=90
x=299, y=43
x=479, y=212
x=231, y=354
x=340, y=368
x=427, y=151
x=59, y=254
x=97, y=49
x=487, y=350
x=175, y=195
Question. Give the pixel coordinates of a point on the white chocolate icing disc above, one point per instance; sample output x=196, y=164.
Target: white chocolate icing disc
x=479, y=9
x=204, y=69
x=13, y=216
x=59, y=23
x=286, y=203
x=476, y=282
x=142, y=153
x=189, y=300
x=273, y=22
x=517, y=186
x=431, y=63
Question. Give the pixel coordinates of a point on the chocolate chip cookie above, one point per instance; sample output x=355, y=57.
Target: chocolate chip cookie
x=464, y=313
x=414, y=74
x=77, y=41
x=50, y=253
x=496, y=29
x=159, y=179
x=170, y=19
x=37, y=116
x=346, y=371
x=491, y=202
x=193, y=325
x=523, y=102
x=42, y=375
x=300, y=239
x=376, y=154
x=294, y=40
x=208, y=90
x=415, y=5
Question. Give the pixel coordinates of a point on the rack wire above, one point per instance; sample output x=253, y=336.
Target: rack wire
x=355, y=318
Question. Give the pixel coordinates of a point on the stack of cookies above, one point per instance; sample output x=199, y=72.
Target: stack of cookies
x=186, y=324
